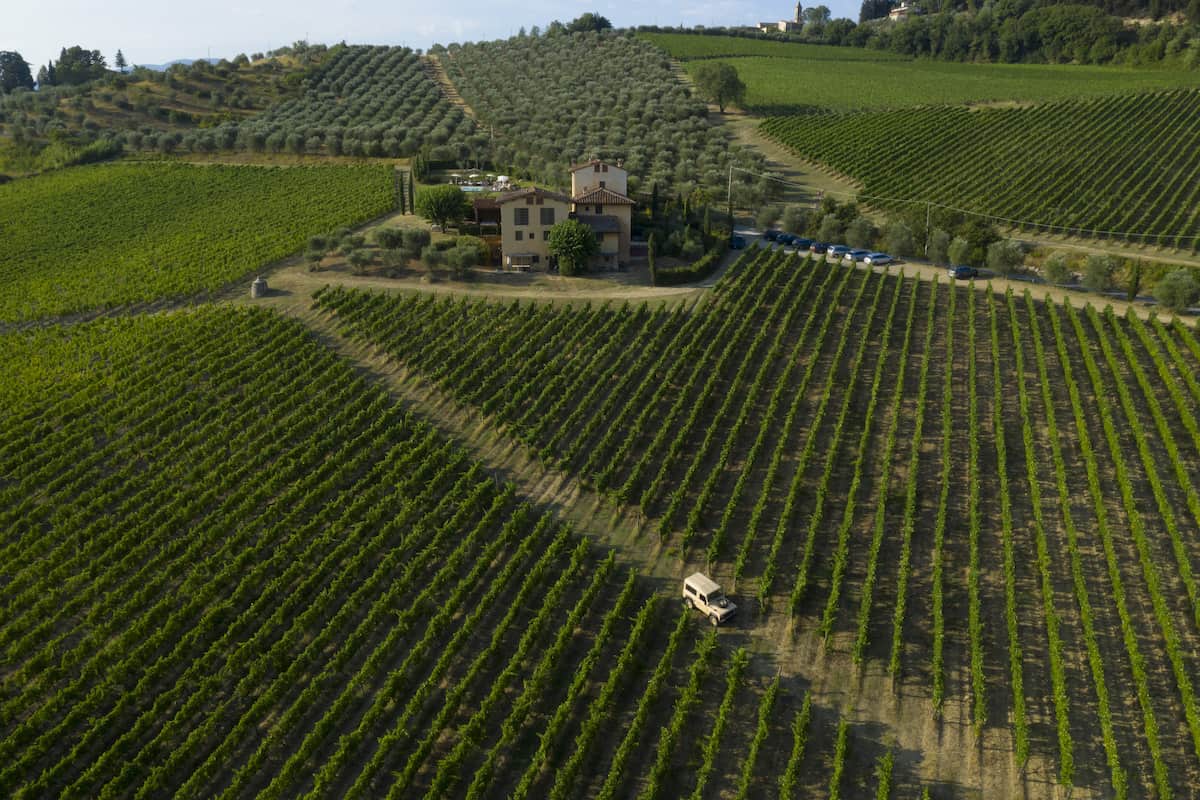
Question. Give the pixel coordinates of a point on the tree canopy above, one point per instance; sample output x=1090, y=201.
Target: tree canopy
x=588, y=21
x=718, y=82
x=574, y=243
x=1177, y=290
x=75, y=66
x=14, y=72
x=442, y=204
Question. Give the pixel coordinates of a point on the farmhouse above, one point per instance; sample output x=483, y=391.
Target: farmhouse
x=526, y=217
x=903, y=11
x=599, y=200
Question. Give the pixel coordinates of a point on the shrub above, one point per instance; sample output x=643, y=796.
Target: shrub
x=795, y=219
x=693, y=272
x=1178, y=290
x=898, y=238
x=433, y=257
x=831, y=229
x=767, y=216
x=860, y=232
x=1057, y=268
x=959, y=251
x=1005, y=256
x=939, y=246
x=388, y=238
x=415, y=241
x=1098, y=273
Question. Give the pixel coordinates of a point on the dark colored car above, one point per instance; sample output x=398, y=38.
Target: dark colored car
x=963, y=272
x=818, y=248
x=771, y=235
x=802, y=243
x=737, y=243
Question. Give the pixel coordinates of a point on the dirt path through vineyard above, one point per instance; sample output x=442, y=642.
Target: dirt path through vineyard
x=941, y=751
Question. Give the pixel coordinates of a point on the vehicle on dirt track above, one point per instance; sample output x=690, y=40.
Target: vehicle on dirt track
x=963, y=272
x=703, y=593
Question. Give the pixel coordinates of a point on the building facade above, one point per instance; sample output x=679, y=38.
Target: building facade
x=526, y=217
x=599, y=199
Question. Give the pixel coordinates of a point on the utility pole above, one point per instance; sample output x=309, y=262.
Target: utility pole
x=729, y=194
x=928, y=215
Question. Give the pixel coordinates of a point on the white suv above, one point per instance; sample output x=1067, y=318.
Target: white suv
x=700, y=591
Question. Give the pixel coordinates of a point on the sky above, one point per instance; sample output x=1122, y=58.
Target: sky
x=157, y=32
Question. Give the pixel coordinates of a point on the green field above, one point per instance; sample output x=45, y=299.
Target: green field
x=1082, y=167
x=785, y=78
x=686, y=47
x=97, y=237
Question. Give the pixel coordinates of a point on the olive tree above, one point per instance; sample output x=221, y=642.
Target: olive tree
x=959, y=251
x=1057, y=268
x=1177, y=290
x=1098, y=273
x=718, y=82
x=1005, y=256
x=860, y=232
x=898, y=238
x=939, y=246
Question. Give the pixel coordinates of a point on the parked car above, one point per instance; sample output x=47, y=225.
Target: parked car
x=856, y=255
x=771, y=235
x=878, y=259
x=963, y=272
x=786, y=238
x=802, y=243
x=836, y=251
x=818, y=248
x=703, y=593
x=737, y=243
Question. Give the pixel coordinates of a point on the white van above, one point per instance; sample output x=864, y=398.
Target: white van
x=700, y=591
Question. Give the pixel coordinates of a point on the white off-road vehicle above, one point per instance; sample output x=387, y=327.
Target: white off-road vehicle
x=700, y=591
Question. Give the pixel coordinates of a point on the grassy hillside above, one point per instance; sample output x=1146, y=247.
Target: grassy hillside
x=688, y=47
x=1082, y=166
x=987, y=497
x=94, y=237
x=785, y=78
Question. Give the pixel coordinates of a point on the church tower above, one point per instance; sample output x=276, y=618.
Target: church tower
x=799, y=12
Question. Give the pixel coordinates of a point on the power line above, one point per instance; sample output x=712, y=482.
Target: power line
x=1016, y=223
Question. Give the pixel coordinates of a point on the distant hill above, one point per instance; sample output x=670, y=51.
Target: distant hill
x=187, y=62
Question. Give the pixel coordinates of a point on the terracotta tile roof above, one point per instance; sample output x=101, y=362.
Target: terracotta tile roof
x=508, y=197
x=600, y=223
x=592, y=163
x=602, y=196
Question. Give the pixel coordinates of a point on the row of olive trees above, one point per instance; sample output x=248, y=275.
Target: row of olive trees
x=551, y=101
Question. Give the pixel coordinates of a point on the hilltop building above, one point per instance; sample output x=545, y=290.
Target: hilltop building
x=785, y=25
x=903, y=11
